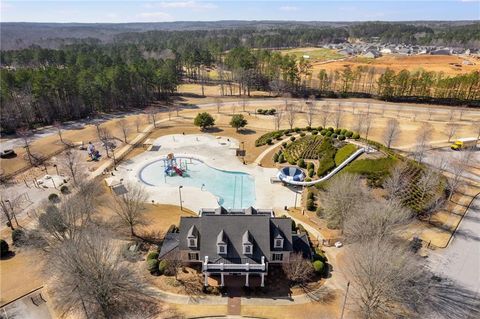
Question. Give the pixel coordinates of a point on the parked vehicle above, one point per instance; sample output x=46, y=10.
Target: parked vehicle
x=464, y=143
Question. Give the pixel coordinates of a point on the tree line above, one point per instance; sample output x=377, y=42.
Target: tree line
x=62, y=85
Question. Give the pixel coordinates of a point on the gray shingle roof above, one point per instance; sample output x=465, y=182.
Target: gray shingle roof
x=261, y=228
x=170, y=243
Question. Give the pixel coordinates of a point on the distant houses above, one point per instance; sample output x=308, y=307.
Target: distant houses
x=372, y=54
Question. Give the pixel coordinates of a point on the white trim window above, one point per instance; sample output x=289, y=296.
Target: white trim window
x=221, y=249
x=278, y=243
x=247, y=249
x=277, y=257
x=192, y=243
x=192, y=256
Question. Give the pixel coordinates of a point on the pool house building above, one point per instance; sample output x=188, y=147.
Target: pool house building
x=236, y=242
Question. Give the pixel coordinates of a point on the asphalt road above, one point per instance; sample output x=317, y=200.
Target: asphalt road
x=460, y=262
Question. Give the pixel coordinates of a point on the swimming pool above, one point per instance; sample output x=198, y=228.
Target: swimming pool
x=232, y=189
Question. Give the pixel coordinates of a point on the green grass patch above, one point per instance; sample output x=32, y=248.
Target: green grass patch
x=344, y=152
x=375, y=170
x=320, y=54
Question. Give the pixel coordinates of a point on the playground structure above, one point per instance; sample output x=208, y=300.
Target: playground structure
x=171, y=167
x=295, y=176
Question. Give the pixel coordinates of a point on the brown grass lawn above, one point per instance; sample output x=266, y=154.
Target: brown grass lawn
x=20, y=274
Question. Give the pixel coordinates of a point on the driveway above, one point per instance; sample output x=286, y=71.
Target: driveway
x=460, y=262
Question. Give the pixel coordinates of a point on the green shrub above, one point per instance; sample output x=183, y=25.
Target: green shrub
x=310, y=165
x=308, y=128
x=162, y=266
x=348, y=134
x=355, y=136
x=292, y=138
x=310, y=195
x=281, y=158
x=297, y=129
x=303, y=134
x=301, y=163
x=18, y=237
x=318, y=266
x=334, y=135
x=294, y=225
x=323, y=132
x=319, y=128
x=337, y=130
x=64, y=189
x=328, y=134
x=344, y=152
x=311, y=172
x=260, y=111
x=4, y=249
x=269, y=141
x=204, y=120
x=292, y=162
x=311, y=205
x=152, y=255
x=314, y=132
x=343, y=131
x=308, y=179
x=275, y=157
x=152, y=265
x=330, y=129
x=284, y=144
x=341, y=137
x=53, y=198
x=325, y=166
x=272, y=111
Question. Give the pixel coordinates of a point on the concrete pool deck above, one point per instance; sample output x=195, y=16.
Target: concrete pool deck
x=217, y=152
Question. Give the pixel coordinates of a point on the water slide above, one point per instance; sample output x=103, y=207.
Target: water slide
x=291, y=176
x=178, y=171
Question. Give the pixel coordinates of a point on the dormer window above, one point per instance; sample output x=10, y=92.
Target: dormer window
x=247, y=243
x=192, y=237
x=278, y=241
x=222, y=249
x=221, y=243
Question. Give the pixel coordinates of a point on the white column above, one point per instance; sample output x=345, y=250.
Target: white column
x=206, y=279
x=246, y=282
x=263, y=279
x=222, y=283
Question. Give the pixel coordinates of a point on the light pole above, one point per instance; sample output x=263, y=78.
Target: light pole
x=180, y=195
x=296, y=193
x=56, y=168
x=345, y=300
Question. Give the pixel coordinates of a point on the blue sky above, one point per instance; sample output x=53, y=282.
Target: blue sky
x=198, y=10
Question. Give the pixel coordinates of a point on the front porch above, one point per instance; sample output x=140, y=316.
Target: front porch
x=240, y=268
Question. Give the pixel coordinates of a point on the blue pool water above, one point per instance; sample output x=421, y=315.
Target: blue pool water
x=233, y=189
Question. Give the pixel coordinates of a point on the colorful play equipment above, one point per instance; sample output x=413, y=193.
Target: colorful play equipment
x=171, y=167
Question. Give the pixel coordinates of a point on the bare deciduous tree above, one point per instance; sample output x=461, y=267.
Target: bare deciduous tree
x=311, y=105
x=344, y=194
x=218, y=103
x=71, y=162
x=298, y=269
x=387, y=279
x=428, y=183
x=324, y=114
x=338, y=115
x=174, y=263
x=152, y=114
x=244, y=103
x=424, y=134
x=375, y=221
x=457, y=168
x=395, y=184
x=138, y=122
x=291, y=110
x=125, y=129
x=392, y=132
x=277, y=118
x=106, y=138
x=59, y=128
x=129, y=206
x=451, y=130
x=26, y=136
x=89, y=270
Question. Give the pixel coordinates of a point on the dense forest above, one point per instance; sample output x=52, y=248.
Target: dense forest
x=40, y=86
